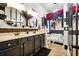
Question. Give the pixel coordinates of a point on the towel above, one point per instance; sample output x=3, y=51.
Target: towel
x=49, y=16
x=54, y=16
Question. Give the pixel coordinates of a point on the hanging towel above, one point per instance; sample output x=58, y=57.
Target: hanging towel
x=49, y=16
x=73, y=8
x=77, y=7
x=61, y=15
x=54, y=16
x=59, y=12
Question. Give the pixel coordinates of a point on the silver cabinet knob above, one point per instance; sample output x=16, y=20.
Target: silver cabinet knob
x=9, y=44
x=21, y=46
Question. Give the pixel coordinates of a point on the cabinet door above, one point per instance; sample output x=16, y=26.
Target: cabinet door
x=42, y=38
x=27, y=49
x=14, y=51
x=42, y=41
x=37, y=43
x=29, y=46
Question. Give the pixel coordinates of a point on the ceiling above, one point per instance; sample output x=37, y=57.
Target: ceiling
x=52, y=6
x=46, y=6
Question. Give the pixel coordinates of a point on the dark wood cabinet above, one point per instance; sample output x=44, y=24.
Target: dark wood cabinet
x=26, y=46
x=14, y=51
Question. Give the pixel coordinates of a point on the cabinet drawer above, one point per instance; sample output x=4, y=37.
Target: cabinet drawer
x=36, y=37
x=28, y=49
x=26, y=40
x=13, y=51
x=22, y=40
x=7, y=44
x=30, y=39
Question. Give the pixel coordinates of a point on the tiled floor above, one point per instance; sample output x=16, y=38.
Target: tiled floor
x=52, y=50
x=56, y=50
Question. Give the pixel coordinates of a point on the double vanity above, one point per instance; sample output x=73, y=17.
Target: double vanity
x=21, y=45
x=16, y=40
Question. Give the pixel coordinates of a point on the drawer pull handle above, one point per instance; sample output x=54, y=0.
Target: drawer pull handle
x=9, y=44
x=21, y=46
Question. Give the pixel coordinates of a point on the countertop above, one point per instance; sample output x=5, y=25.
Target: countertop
x=11, y=36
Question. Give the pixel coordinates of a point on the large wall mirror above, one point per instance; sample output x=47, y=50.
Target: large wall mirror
x=18, y=18
x=7, y=12
x=13, y=13
x=14, y=17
